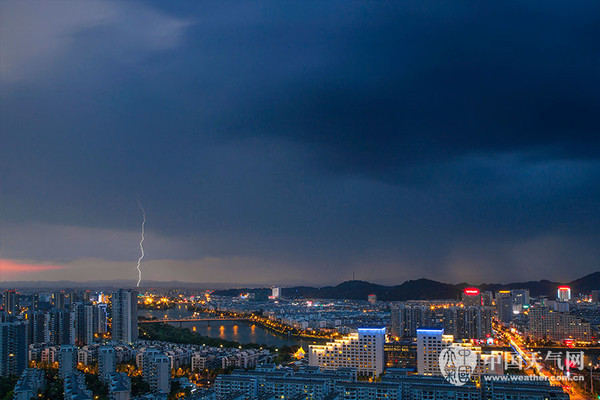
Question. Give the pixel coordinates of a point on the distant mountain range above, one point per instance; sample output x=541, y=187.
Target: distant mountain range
x=420, y=289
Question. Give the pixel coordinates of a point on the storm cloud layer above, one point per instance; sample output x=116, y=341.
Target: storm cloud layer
x=297, y=142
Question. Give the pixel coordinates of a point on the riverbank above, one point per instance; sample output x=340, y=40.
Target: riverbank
x=289, y=333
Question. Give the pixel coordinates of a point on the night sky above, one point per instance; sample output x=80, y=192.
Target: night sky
x=299, y=142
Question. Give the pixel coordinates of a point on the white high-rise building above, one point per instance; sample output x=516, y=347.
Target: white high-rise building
x=362, y=350
x=124, y=315
x=564, y=293
x=276, y=292
x=430, y=343
x=67, y=360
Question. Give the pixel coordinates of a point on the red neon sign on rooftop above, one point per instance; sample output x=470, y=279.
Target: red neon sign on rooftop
x=471, y=291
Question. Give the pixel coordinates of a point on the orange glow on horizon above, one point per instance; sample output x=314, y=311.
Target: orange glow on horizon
x=9, y=269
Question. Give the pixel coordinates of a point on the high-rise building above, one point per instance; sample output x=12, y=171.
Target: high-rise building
x=58, y=299
x=86, y=296
x=471, y=297
x=487, y=298
x=455, y=322
x=10, y=304
x=67, y=360
x=156, y=370
x=372, y=298
x=276, y=292
x=13, y=348
x=39, y=327
x=407, y=318
x=504, y=306
x=124, y=315
x=596, y=296
x=362, y=350
x=473, y=322
x=479, y=322
x=564, y=293
x=84, y=323
x=430, y=343
x=35, y=302
x=101, y=318
x=107, y=362
x=62, y=326
x=545, y=323
x=520, y=298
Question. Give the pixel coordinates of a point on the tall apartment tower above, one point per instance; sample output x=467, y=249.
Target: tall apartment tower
x=430, y=343
x=406, y=319
x=504, y=306
x=124, y=315
x=59, y=299
x=39, y=327
x=13, y=348
x=62, y=326
x=84, y=324
x=564, y=293
x=156, y=370
x=100, y=318
x=107, y=362
x=67, y=360
x=11, y=301
x=472, y=297
x=520, y=297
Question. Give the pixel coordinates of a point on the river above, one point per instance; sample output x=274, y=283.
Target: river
x=238, y=331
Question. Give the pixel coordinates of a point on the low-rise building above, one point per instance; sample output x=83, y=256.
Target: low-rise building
x=30, y=382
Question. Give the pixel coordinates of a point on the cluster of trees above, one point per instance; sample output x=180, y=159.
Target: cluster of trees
x=170, y=333
x=7, y=383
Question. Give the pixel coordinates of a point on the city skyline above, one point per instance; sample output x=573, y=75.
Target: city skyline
x=297, y=144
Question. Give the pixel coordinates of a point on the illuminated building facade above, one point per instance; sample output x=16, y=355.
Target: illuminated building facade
x=362, y=350
x=564, y=293
x=545, y=323
x=430, y=343
x=471, y=297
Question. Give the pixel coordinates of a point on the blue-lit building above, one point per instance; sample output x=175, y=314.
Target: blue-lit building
x=362, y=350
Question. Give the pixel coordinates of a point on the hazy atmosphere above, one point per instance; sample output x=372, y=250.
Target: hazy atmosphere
x=297, y=143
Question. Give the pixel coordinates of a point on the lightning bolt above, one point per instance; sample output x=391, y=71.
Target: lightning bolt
x=141, y=246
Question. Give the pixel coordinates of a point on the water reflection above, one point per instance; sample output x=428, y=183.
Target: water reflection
x=239, y=331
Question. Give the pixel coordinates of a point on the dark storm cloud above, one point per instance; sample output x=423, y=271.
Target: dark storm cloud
x=410, y=138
